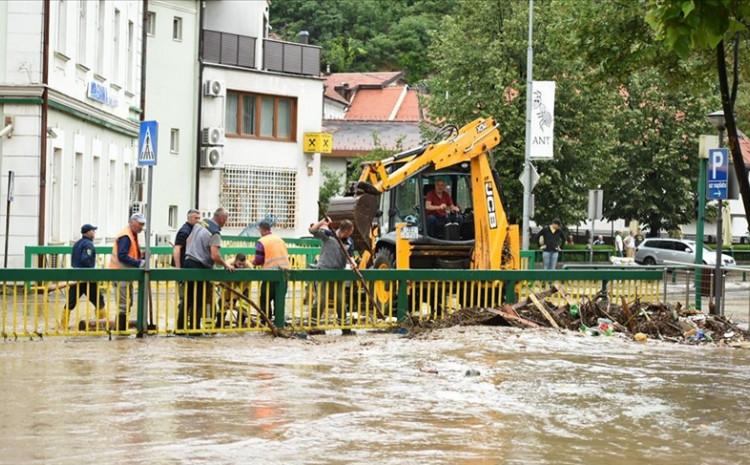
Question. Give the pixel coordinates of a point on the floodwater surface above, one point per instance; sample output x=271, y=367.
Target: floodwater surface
x=538, y=398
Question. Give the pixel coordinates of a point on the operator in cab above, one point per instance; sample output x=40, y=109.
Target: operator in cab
x=440, y=210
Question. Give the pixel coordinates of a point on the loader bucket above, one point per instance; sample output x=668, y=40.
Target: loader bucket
x=360, y=210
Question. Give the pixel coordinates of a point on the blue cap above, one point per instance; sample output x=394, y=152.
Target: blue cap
x=88, y=227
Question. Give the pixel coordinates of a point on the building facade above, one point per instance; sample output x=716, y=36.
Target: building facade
x=259, y=96
x=70, y=79
x=172, y=93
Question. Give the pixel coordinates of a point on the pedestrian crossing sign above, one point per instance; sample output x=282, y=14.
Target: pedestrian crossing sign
x=147, y=143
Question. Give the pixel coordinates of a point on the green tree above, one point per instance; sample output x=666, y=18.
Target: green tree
x=330, y=187
x=365, y=35
x=480, y=71
x=652, y=178
x=687, y=26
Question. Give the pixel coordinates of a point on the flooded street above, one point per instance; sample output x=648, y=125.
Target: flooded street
x=539, y=398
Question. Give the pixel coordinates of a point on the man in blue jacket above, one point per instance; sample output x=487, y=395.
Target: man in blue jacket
x=83, y=256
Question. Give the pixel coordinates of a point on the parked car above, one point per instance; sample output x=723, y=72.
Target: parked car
x=654, y=251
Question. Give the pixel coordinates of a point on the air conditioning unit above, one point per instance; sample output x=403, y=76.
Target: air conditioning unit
x=213, y=88
x=212, y=136
x=140, y=174
x=212, y=157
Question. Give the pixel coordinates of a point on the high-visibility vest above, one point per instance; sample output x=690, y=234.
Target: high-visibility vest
x=134, y=252
x=276, y=253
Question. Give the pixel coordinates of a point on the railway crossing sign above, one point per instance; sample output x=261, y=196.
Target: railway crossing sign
x=718, y=174
x=148, y=139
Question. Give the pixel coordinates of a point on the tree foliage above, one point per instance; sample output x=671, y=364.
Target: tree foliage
x=641, y=149
x=365, y=35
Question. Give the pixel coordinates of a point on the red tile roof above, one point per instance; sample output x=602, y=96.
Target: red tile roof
x=358, y=79
x=409, y=110
x=373, y=104
x=355, y=80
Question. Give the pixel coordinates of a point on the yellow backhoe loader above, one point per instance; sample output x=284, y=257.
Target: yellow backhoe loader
x=393, y=228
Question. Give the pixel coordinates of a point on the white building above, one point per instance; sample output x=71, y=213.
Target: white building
x=73, y=102
x=172, y=93
x=259, y=97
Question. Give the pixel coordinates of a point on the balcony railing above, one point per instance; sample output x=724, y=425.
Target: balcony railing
x=237, y=50
x=290, y=57
x=229, y=49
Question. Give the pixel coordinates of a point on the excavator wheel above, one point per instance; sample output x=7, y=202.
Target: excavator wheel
x=385, y=259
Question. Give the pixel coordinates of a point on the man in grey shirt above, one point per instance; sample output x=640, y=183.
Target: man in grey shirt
x=333, y=257
x=203, y=250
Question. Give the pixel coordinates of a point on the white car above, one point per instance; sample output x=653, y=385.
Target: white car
x=654, y=251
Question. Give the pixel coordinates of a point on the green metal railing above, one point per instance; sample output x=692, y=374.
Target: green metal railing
x=161, y=255
x=28, y=310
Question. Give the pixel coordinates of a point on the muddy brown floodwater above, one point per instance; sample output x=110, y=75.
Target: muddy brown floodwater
x=539, y=398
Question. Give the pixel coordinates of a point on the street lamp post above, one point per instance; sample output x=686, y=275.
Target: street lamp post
x=717, y=120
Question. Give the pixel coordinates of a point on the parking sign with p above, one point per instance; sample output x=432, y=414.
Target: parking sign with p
x=718, y=174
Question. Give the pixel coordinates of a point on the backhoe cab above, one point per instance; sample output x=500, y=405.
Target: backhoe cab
x=434, y=206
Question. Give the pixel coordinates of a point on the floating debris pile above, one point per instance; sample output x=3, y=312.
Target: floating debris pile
x=600, y=316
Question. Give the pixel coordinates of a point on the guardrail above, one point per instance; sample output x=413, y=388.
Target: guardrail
x=251, y=240
x=215, y=301
x=57, y=256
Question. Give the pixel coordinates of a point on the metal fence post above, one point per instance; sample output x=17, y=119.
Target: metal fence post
x=402, y=300
x=510, y=292
x=279, y=301
x=141, y=303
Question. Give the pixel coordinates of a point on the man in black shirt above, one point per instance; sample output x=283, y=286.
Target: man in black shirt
x=180, y=241
x=178, y=253
x=551, y=239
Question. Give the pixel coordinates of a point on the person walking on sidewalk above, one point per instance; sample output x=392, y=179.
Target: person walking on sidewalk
x=126, y=253
x=332, y=257
x=551, y=239
x=272, y=254
x=629, y=243
x=619, y=246
x=203, y=252
x=83, y=256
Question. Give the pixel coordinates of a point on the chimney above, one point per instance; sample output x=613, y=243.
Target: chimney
x=303, y=37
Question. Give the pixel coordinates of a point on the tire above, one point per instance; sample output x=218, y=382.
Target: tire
x=385, y=259
x=649, y=261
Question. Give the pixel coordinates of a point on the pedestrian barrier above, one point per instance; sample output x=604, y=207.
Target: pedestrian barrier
x=194, y=301
x=58, y=256
x=240, y=241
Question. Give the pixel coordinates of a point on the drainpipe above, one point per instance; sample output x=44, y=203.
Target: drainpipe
x=144, y=36
x=201, y=6
x=41, y=234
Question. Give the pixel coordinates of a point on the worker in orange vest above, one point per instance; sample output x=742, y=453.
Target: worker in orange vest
x=270, y=253
x=126, y=253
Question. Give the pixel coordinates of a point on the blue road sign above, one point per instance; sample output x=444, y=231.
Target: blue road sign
x=148, y=139
x=718, y=174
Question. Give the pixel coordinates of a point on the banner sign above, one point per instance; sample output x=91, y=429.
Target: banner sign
x=542, y=119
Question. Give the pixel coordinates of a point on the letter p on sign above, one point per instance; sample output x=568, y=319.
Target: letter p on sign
x=717, y=161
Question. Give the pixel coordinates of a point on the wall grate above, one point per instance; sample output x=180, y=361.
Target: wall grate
x=253, y=193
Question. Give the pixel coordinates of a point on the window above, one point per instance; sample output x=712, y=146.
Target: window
x=261, y=116
x=177, y=28
x=151, y=23
x=253, y=193
x=173, y=216
x=62, y=12
x=131, y=53
x=82, y=32
x=100, y=38
x=116, y=46
x=174, y=141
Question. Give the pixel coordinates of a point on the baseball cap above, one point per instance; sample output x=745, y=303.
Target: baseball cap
x=88, y=227
x=138, y=217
